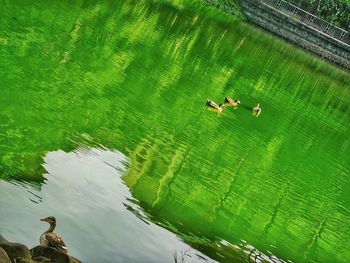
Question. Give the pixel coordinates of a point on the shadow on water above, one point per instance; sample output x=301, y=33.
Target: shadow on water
x=246, y=107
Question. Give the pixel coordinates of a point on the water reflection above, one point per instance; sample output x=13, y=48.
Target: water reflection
x=83, y=190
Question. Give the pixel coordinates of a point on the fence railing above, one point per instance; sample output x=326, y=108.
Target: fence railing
x=309, y=19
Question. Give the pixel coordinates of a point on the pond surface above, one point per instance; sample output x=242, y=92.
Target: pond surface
x=103, y=124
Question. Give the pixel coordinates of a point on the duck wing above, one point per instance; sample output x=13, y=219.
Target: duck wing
x=55, y=241
x=212, y=104
x=228, y=99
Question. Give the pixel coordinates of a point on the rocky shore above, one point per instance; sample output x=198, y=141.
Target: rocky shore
x=18, y=253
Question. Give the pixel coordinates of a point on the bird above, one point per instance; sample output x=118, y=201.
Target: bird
x=231, y=102
x=50, y=239
x=215, y=106
x=257, y=110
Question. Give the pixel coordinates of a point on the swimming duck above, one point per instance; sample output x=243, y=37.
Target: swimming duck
x=212, y=104
x=231, y=102
x=257, y=110
x=50, y=239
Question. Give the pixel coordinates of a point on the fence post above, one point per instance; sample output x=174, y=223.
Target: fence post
x=328, y=26
x=279, y=4
x=342, y=35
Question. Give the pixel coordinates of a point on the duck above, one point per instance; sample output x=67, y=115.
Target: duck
x=257, y=110
x=50, y=239
x=231, y=102
x=215, y=106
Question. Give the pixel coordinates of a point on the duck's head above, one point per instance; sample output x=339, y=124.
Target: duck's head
x=51, y=220
x=237, y=101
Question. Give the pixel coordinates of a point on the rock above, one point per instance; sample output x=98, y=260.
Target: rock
x=41, y=260
x=15, y=250
x=52, y=254
x=3, y=240
x=3, y=255
x=18, y=253
x=75, y=260
x=23, y=260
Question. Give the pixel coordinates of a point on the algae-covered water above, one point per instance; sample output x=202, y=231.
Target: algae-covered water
x=103, y=124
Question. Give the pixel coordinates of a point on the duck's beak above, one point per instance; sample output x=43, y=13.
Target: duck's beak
x=43, y=219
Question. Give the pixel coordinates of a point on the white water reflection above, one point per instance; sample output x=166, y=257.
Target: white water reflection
x=85, y=193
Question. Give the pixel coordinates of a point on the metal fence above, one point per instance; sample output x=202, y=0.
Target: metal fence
x=309, y=19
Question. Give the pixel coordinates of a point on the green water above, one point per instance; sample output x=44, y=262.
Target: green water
x=134, y=77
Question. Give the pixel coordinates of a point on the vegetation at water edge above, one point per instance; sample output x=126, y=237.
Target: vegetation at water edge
x=336, y=12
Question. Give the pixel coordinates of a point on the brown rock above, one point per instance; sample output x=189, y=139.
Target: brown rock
x=24, y=260
x=18, y=253
x=74, y=260
x=52, y=254
x=3, y=256
x=3, y=240
x=16, y=250
x=41, y=260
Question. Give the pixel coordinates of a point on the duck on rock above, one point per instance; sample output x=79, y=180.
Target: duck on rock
x=50, y=239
